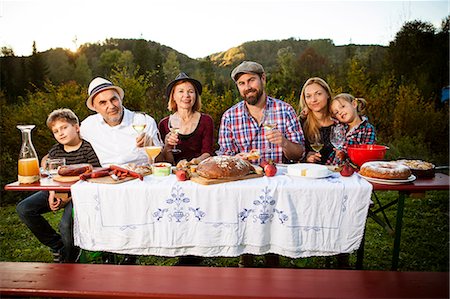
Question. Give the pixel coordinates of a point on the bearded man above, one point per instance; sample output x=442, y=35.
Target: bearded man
x=260, y=122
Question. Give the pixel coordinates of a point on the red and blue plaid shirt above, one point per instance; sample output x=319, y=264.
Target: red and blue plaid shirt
x=362, y=134
x=239, y=131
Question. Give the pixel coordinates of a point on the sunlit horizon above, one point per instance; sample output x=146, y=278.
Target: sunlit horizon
x=199, y=28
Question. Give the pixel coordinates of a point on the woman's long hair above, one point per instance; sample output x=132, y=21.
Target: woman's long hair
x=310, y=123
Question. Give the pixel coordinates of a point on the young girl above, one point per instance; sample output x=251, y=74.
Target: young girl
x=348, y=110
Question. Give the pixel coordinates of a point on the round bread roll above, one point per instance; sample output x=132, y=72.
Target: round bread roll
x=385, y=170
x=220, y=167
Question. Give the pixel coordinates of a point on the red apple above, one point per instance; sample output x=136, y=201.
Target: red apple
x=181, y=175
x=347, y=170
x=270, y=170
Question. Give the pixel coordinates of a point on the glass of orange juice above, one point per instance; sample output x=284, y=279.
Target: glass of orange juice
x=152, y=152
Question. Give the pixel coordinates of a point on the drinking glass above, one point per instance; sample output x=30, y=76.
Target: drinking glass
x=139, y=122
x=337, y=136
x=153, y=150
x=316, y=142
x=269, y=124
x=52, y=165
x=174, y=127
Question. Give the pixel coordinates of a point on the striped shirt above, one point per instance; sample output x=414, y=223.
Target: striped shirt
x=85, y=154
x=364, y=133
x=239, y=131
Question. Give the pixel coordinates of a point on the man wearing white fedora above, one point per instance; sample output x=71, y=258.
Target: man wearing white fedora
x=110, y=131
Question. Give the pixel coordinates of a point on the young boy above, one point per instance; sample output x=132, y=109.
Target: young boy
x=64, y=125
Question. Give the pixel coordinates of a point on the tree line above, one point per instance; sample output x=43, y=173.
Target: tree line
x=401, y=82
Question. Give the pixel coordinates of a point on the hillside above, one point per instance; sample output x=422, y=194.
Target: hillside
x=266, y=52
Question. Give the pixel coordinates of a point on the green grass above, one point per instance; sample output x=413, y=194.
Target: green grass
x=424, y=247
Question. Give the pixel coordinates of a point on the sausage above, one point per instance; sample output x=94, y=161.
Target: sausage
x=99, y=174
x=75, y=169
x=129, y=172
x=96, y=174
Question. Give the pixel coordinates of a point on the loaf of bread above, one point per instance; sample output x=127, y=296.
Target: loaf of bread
x=75, y=169
x=219, y=167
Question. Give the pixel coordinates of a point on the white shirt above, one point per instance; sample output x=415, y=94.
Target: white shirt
x=117, y=145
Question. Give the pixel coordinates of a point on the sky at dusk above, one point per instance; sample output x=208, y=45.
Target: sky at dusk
x=199, y=28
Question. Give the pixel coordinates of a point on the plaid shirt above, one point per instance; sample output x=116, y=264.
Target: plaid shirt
x=239, y=131
x=362, y=134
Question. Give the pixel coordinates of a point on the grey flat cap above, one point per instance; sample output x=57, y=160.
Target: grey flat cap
x=247, y=67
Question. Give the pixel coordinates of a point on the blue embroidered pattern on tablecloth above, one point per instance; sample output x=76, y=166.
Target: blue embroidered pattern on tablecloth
x=263, y=209
x=178, y=209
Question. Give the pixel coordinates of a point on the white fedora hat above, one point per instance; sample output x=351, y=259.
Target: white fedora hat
x=100, y=84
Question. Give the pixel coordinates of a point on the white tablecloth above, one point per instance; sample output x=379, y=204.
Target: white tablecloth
x=290, y=216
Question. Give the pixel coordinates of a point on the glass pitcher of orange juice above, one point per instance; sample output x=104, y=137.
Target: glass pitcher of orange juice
x=28, y=171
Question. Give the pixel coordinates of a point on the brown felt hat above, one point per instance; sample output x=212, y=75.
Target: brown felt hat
x=247, y=67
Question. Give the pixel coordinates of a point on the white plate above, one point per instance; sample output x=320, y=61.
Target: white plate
x=390, y=182
x=312, y=177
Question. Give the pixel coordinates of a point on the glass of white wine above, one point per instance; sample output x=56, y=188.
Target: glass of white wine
x=316, y=142
x=139, y=122
x=269, y=124
x=174, y=127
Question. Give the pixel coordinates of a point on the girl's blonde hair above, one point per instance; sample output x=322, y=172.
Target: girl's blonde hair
x=172, y=105
x=311, y=124
x=361, y=103
x=62, y=114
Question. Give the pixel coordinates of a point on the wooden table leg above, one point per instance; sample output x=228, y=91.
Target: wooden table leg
x=398, y=230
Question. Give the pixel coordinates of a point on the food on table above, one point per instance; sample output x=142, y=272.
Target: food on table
x=219, y=167
x=419, y=168
x=385, y=170
x=270, y=169
x=181, y=174
x=161, y=169
x=263, y=163
x=307, y=170
x=75, y=169
x=347, y=170
x=185, y=164
x=254, y=154
x=141, y=169
x=258, y=169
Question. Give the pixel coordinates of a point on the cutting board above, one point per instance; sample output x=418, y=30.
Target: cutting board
x=65, y=179
x=109, y=180
x=204, y=181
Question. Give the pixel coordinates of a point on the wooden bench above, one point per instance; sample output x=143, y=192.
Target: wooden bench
x=113, y=281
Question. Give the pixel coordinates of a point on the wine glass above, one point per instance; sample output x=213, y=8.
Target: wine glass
x=139, y=122
x=337, y=136
x=269, y=124
x=153, y=150
x=316, y=142
x=174, y=127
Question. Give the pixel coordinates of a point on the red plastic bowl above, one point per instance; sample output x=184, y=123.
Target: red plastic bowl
x=361, y=153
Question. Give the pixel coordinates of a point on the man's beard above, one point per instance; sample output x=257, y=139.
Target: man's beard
x=118, y=118
x=253, y=100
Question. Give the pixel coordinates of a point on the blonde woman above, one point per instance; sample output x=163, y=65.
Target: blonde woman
x=316, y=119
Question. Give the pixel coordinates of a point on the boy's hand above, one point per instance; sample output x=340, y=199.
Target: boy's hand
x=53, y=202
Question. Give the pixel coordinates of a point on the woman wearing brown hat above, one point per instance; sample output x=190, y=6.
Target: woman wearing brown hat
x=194, y=140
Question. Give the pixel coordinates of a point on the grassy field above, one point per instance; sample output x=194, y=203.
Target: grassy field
x=424, y=247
